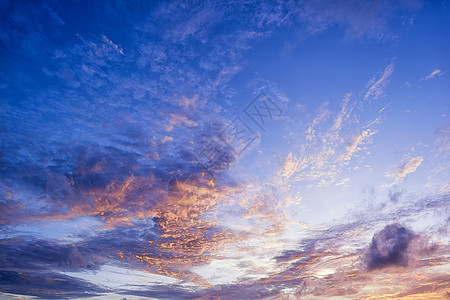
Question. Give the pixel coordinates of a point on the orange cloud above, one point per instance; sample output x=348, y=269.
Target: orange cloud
x=179, y=120
x=186, y=234
x=409, y=167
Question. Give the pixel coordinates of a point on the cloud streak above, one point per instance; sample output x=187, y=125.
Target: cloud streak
x=401, y=172
x=436, y=72
x=377, y=87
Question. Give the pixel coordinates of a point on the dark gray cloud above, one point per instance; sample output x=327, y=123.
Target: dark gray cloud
x=22, y=254
x=47, y=285
x=389, y=247
x=251, y=290
x=89, y=254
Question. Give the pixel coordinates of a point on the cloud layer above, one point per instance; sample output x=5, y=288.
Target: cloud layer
x=112, y=157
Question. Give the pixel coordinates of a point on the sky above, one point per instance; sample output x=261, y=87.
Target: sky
x=224, y=149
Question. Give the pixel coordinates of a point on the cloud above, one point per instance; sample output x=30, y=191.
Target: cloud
x=440, y=162
x=377, y=87
x=409, y=167
x=108, y=41
x=47, y=286
x=19, y=254
x=394, y=196
x=371, y=19
x=329, y=145
x=389, y=247
x=357, y=140
x=94, y=143
x=436, y=72
x=179, y=120
x=188, y=238
x=334, y=261
x=290, y=166
x=167, y=139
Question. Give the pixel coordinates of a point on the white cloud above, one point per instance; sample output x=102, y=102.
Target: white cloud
x=357, y=140
x=290, y=166
x=376, y=89
x=108, y=41
x=436, y=72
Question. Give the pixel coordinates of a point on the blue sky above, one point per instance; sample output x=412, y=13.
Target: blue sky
x=176, y=149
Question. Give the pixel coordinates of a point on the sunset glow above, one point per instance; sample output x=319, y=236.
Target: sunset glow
x=225, y=149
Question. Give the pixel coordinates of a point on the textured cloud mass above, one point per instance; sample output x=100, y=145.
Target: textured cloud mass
x=389, y=247
x=232, y=150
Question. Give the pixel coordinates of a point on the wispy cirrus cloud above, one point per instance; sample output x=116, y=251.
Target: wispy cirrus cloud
x=440, y=161
x=434, y=73
x=401, y=172
x=360, y=19
x=377, y=87
x=106, y=40
x=337, y=145
x=357, y=140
